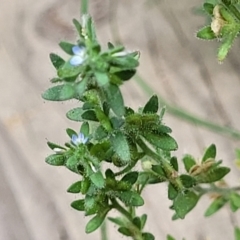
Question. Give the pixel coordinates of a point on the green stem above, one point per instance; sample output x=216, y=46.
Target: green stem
x=184, y=115
x=137, y=234
x=214, y=189
x=103, y=230
x=169, y=170
x=84, y=7
x=122, y=210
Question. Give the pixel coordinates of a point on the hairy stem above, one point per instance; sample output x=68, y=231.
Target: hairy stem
x=169, y=170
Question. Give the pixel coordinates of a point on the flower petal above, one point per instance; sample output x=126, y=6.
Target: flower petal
x=76, y=60
x=78, y=50
x=74, y=139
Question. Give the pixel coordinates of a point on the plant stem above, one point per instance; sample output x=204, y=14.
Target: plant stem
x=123, y=211
x=184, y=115
x=103, y=229
x=137, y=234
x=84, y=7
x=215, y=189
x=171, y=174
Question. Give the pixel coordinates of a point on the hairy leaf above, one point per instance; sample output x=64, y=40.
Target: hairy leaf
x=184, y=203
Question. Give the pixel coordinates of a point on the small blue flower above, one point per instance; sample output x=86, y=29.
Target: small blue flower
x=79, y=139
x=79, y=55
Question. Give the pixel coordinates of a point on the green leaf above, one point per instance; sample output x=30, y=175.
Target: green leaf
x=147, y=236
x=56, y=60
x=89, y=28
x=75, y=114
x=100, y=133
x=96, y=221
x=159, y=170
x=78, y=205
x=237, y=233
x=78, y=27
x=164, y=129
x=90, y=204
x=117, y=122
x=67, y=47
x=187, y=181
x=137, y=222
x=208, y=8
x=68, y=71
x=188, y=162
x=206, y=33
x=85, y=129
x=131, y=198
x=56, y=160
x=90, y=116
x=103, y=119
x=70, y=132
x=54, y=146
x=184, y=203
x=59, y=93
x=130, y=111
x=169, y=237
x=162, y=141
x=226, y=44
x=124, y=62
x=80, y=87
x=125, y=231
x=125, y=74
x=75, y=187
x=115, y=99
x=110, y=174
x=216, y=205
x=209, y=153
x=152, y=105
x=235, y=198
x=97, y=179
x=213, y=175
x=228, y=15
x=143, y=220
x=79, y=115
x=172, y=192
x=120, y=146
x=85, y=186
x=72, y=163
x=102, y=78
x=56, y=80
x=67, y=92
x=174, y=163
x=232, y=206
x=130, y=177
x=110, y=45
